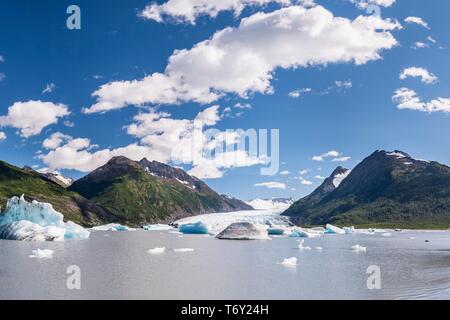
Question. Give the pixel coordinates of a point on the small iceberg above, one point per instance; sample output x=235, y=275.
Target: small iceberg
x=42, y=254
x=290, y=262
x=319, y=248
x=358, y=248
x=157, y=250
x=302, y=247
x=157, y=227
x=387, y=234
x=112, y=227
x=183, y=250
x=349, y=230
x=36, y=221
x=243, y=231
x=301, y=233
x=194, y=228
x=275, y=231
x=330, y=229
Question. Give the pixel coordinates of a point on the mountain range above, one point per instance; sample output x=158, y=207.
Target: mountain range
x=387, y=189
x=122, y=190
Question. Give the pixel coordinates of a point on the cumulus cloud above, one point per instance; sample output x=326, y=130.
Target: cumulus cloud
x=323, y=156
x=162, y=138
x=2, y=136
x=306, y=182
x=422, y=73
x=341, y=159
x=272, y=185
x=408, y=99
x=31, y=117
x=239, y=61
x=187, y=11
x=285, y=173
x=417, y=20
x=420, y=45
x=319, y=177
x=298, y=93
x=364, y=4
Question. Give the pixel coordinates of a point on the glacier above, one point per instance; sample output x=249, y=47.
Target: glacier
x=41, y=254
x=36, y=221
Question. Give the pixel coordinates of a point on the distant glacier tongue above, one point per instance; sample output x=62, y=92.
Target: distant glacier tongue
x=36, y=221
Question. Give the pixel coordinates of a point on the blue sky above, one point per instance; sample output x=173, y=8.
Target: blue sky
x=349, y=107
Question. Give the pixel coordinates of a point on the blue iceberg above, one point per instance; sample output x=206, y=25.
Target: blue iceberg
x=36, y=221
x=194, y=228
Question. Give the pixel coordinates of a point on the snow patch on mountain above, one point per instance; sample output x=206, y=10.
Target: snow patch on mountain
x=271, y=204
x=337, y=179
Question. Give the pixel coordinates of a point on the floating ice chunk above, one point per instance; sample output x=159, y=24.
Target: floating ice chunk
x=275, y=231
x=319, y=248
x=290, y=262
x=157, y=227
x=183, y=250
x=302, y=247
x=301, y=233
x=358, y=248
x=36, y=221
x=412, y=238
x=349, y=230
x=243, y=231
x=194, y=228
x=157, y=250
x=42, y=254
x=387, y=234
x=330, y=229
x=113, y=227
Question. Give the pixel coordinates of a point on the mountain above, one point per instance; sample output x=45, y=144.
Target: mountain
x=150, y=191
x=387, y=189
x=54, y=176
x=15, y=182
x=271, y=204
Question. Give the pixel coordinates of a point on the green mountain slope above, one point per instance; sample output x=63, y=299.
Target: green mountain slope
x=148, y=192
x=15, y=182
x=387, y=189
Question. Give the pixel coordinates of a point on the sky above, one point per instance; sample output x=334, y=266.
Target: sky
x=173, y=81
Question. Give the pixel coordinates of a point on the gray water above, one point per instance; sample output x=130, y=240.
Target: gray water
x=117, y=266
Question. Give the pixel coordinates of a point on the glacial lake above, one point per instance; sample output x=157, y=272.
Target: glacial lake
x=116, y=265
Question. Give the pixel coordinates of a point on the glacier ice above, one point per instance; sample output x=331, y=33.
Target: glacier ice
x=330, y=229
x=275, y=231
x=349, y=230
x=358, y=248
x=243, y=231
x=290, y=262
x=302, y=233
x=194, y=228
x=157, y=227
x=41, y=254
x=157, y=250
x=36, y=221
x=113, y=227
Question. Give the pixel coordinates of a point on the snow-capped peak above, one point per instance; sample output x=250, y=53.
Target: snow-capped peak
x=271, y=204
x=338, y=178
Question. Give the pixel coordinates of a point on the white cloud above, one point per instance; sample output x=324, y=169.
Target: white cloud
x=417, y=20
x=55, y=140
x=2, y=136
x=49, y=88
x=272, y=185
x=187, y=11
x=306, y=182
x=414, y=72
x=303, y=172
x=243, y=106
x=320, y=177
x=408, y=99
x=240, y=61
x=160, y=138
x=297, y=93
x=2, y=59
x=420, y=45
x=347, y=84
x=32, y=117
x=285, y=173
x=341, y=159
x=364, y=4
x=332, y=154
x=2, y=76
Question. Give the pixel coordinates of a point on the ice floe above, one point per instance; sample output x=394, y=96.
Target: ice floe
x=302, y=247
x=157, y=227
x=243, y=231
x=42, y=254
x=358, y=248
x=290, y=262
x=330, y=229
x=36, y=221
x=183, y=250
x=194, y=228
x=157, y=250
x=113, y=227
